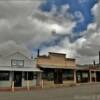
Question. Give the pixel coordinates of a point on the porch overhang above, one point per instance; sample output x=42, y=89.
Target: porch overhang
x=55, y=67
x=88, y=69
x=29, y=69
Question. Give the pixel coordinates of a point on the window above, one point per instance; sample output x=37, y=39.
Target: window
x=29, y=75
x=35, y=75
x=68, y=75
x=17, y=62
x=48, y=76
x=4, y=76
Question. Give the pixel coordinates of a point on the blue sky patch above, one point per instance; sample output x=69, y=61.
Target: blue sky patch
x=80, y=9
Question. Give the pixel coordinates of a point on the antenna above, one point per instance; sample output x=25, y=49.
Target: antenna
x=38, y=52
x=99, y=57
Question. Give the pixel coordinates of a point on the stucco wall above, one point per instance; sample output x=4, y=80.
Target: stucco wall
x=58, y=60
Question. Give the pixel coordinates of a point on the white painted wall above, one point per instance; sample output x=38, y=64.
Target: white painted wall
x=32, y=83
x=6, y=61
x=6, y=83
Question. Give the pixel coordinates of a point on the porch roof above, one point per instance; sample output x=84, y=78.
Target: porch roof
x=88, y=69
x=29, y=69
x=56, y=67
x=82, y=68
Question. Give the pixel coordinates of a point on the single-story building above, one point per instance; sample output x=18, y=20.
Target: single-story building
x=18, y=69
x=57, y=69
x=88, y=73
x=82, y=75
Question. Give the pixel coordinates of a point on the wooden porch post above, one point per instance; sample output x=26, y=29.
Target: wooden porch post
x=42, y=83
x=90, y=75
x=12, y=84
x=41, y=80
x=95, y=76
x=74, y=75
x=28, y=87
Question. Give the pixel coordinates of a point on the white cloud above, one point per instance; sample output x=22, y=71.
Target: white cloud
x=92, y=26
x=10, y=47
x=86, y=48
x=59, y=22
x=21, y=22
x=91, y=46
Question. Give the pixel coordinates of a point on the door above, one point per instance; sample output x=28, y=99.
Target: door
x=58, y=79
x=17, y=79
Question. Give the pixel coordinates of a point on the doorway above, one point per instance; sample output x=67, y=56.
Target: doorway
x=58, y=79
x=97, y=76
x=17, y=79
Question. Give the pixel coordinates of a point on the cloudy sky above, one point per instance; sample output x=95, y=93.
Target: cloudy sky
x=65, y=26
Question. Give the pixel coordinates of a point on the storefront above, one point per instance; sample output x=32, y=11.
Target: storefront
x=19, y=70
x=57, y=69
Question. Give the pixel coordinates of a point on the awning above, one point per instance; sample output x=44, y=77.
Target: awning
x=56, y=67
x=29, y=69
x=82, y=68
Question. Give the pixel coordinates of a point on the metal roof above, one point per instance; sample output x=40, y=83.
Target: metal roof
x=9, y=68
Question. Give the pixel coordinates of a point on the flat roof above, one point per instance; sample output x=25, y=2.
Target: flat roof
x=57, y=53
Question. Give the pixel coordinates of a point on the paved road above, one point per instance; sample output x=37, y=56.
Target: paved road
x=81, y=92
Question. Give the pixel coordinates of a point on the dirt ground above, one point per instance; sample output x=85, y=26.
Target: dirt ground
x=80, y=92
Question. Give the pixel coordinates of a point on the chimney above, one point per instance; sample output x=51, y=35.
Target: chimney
x=99, y=57
x=93, y=62
x=38, y=52
x=53, y=32
x=32, y=57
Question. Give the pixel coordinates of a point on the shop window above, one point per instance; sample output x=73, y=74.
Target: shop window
x=48, y=76
x=4, y=76
x=30, y=75
x=68, y=75
x=35, y=75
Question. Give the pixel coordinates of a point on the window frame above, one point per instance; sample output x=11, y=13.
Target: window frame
x=16, y=61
